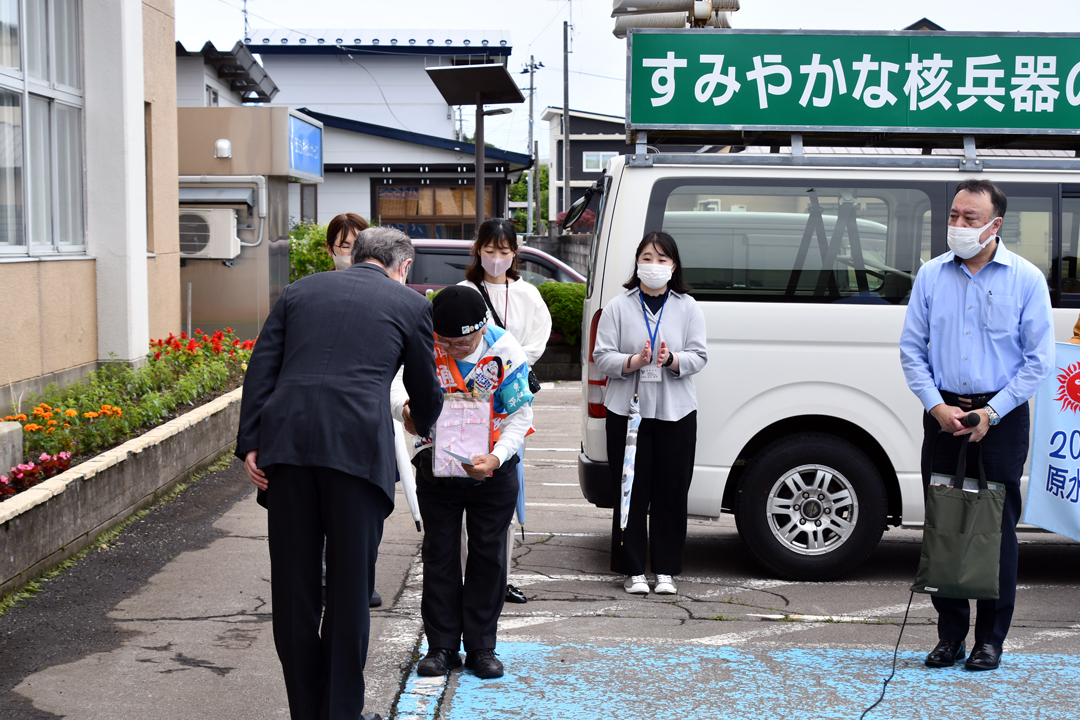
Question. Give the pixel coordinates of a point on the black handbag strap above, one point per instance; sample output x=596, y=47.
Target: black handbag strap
x=495, y=315
x=961, y=466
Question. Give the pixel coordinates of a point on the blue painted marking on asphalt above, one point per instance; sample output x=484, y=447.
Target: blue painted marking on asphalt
x=555, y=682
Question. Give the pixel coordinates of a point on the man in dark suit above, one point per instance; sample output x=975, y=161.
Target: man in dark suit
x=317, y=435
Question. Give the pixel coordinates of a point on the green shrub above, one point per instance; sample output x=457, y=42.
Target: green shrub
x=307, y=251
x=566, y=303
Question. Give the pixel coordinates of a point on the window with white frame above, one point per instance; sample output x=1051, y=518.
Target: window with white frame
x=41, y=127
x=597, y=161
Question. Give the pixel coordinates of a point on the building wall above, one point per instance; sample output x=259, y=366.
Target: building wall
x=163, y=233
x=336, y=85
x=341, y=193
x=48, y=330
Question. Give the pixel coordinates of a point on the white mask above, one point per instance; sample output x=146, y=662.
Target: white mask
x=496, y=266
x=964, y=241
x=342, y=262
x=653, y=275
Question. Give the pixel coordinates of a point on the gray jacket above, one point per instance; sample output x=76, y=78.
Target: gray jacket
x=621, y=332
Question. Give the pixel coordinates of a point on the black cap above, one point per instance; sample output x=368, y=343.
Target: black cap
x=458, y=310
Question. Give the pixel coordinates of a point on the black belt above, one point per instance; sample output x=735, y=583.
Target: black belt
x=972, y=402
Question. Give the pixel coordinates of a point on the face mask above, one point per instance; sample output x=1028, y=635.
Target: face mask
x=964, y=241
x=653, y=275
x=496, y=266
x=342, y=262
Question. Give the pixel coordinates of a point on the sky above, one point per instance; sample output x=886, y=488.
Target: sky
x=598, y=59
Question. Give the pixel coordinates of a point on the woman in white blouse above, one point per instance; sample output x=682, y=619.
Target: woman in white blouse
x=651, y=341
x=518, y=307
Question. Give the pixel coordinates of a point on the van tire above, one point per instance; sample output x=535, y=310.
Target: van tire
x=808, y=480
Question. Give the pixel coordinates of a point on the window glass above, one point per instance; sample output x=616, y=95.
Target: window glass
x=1070, y=245
x=37, y=39
x=739, y=242
x=434, y=267
x=69, y=173
x=9, y=34
x=67, y=51
x=597, y=161
x=1025, y=229
x=534, y=272
x=11, y=151
x=39, y=173
x=308, y=200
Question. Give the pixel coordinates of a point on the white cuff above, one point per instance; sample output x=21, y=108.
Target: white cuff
x=501, y=453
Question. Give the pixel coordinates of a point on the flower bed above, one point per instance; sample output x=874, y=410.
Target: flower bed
x=117, y=402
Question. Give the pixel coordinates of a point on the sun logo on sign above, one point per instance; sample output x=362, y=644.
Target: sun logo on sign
x=1069, y=388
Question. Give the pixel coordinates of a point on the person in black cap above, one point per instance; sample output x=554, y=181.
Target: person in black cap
x=470, y=356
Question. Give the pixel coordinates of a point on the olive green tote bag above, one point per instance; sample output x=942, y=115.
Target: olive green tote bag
x=961, y=544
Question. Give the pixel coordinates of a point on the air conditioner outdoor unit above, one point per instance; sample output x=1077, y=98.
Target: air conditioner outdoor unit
x=208, y=233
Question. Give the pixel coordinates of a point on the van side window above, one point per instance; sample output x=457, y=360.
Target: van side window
x=751, y=241
x=1026, y=229
x=1070, y=244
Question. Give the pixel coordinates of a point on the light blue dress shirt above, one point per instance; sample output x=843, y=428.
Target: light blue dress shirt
x=991, y=332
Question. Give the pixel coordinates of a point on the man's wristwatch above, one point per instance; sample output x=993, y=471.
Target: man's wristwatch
x=992, y=414
x=670, y=359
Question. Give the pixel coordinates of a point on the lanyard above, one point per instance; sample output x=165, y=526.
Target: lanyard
x=651, y=331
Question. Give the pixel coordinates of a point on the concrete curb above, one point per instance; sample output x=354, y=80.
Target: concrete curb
x=56, y=519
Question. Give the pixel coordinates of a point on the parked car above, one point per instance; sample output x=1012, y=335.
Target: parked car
x=443, y=262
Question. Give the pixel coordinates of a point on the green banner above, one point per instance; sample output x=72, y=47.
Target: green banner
x=922, y=82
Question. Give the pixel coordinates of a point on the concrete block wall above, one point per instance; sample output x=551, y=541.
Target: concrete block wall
x=571, y=249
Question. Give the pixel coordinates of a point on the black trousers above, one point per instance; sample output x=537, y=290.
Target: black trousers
x=663, y=470
x=1004, y=449
x=458, y=612
x=324, y=671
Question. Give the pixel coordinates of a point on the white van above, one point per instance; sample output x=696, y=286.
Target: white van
x=803, y=264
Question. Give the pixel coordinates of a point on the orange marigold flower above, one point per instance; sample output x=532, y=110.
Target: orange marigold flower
x=118, y=412
x=32, y=427
x=106, y=407
x=90, y=415
x=67, y=425
x=47, y=415
x=71, y=413
x=49, y=431
x=52, y=422
x=21, y=417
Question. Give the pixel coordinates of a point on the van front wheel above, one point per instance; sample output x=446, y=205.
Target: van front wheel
x=811, y=507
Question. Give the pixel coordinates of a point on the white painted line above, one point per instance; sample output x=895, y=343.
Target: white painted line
x=555, y=534
x=547, y=386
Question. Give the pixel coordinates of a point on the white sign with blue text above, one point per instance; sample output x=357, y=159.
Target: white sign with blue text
x=1053, y=493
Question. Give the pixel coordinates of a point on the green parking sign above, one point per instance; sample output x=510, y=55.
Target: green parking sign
x=901, y=81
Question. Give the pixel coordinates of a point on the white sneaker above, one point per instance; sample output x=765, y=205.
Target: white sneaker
x=636, y=585
x=664, y=585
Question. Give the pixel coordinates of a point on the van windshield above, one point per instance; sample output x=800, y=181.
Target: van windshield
x=741, y=242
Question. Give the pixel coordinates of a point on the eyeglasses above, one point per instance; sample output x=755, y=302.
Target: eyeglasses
x=458, y=344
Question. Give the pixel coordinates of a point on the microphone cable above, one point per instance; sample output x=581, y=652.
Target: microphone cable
x=896, y=651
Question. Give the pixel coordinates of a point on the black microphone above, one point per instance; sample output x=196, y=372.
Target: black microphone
x=971, y=420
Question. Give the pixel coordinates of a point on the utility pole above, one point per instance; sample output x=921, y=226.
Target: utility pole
x=247, y=30
x=535, y=159
x=566, y=115
x=540, y=210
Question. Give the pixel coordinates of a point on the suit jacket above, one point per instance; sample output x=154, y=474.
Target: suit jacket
x=317, y=389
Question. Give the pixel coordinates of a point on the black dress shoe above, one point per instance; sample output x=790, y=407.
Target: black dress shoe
x=376, y=599
x=484, y=664
x=984, y=656
x=513, y=595
x=946, y=654
x=438, y=661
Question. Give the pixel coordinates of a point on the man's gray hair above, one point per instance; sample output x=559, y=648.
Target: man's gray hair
x=389, y=246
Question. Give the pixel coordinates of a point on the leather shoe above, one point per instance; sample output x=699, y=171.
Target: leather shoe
x=946, y=654
x=984, y=656
x=484, y=664
x=513, y=595
x=438, y=661
x=376, y=599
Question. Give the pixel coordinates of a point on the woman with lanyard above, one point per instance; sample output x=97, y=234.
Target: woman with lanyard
x=651, y=341
x=515, y=305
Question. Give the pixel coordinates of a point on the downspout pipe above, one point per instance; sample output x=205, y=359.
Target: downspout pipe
x=257, y=180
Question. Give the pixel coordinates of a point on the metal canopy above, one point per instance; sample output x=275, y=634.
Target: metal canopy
x=462, y=84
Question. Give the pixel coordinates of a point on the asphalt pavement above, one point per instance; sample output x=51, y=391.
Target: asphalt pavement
x=172, y=620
